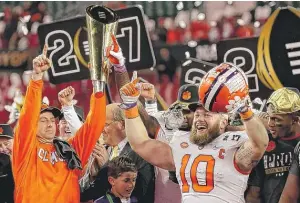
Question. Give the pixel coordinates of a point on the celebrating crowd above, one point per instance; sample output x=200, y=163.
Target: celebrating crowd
x=131, y=152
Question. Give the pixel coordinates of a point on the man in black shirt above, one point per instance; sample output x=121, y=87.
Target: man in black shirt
x=6, y=177
x=267, y=180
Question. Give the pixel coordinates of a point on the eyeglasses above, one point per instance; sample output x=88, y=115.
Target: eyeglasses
x=108, y=124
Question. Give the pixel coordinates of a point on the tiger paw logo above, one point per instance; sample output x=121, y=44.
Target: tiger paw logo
x=1, y=130
x=271, y=146
x=233, y=103
x=222, y=153
x=184, y=145
x=186, y=95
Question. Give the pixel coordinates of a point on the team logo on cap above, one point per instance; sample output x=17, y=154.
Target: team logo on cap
x=44, y=106
x=1, y=130
x=186, y=95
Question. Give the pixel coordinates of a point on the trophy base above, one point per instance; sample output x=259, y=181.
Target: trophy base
x=99, y=86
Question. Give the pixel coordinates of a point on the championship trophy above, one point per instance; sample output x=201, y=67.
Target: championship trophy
x=101, y=25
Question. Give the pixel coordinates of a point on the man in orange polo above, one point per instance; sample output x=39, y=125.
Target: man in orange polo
x=45, y=169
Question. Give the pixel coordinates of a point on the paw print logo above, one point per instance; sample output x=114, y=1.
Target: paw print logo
x=271, y=146
x=233, y=104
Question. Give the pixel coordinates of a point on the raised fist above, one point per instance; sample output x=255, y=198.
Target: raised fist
x=66, y=96
x=147, y=91
x=41, y=63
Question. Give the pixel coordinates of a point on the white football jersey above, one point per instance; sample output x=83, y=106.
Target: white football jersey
x=209, y=174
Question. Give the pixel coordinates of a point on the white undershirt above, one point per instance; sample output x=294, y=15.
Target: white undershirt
x=125, y=200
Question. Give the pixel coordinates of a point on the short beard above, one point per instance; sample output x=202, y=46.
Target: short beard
x=204, y=139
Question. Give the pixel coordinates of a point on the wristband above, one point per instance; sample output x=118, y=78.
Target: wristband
x=120, y=69
x=151, y=108
x=150, y=101
x=247, y=115
x=132, y=112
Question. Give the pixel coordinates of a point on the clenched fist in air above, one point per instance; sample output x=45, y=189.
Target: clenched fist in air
x=66, y=96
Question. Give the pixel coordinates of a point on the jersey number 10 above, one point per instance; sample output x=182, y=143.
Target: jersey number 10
x=209, y=175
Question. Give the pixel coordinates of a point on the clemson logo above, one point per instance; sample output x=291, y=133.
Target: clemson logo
x=44, y=106
x=271, y=146
x=186, y=95
x=221, y=153
x=221, y=67
x=184, y=145
x=1, y=130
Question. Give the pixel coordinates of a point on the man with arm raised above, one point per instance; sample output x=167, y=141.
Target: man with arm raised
x=45, y=168
x=211, y=165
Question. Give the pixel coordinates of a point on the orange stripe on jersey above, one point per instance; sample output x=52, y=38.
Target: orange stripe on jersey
x=156, y=132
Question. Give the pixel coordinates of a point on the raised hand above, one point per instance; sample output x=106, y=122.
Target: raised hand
x=41, y=64
x=66, y=96
x=115, y=55
x=147, y=91
x=130, y=92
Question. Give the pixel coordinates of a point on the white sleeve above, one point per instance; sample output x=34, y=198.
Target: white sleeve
x=151, y=109
x=72, y=118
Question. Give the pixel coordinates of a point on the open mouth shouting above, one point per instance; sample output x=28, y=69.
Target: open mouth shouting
x=201, y=127
x=68, y=131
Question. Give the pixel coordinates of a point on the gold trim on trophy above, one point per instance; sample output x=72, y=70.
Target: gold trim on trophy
x=101, y=23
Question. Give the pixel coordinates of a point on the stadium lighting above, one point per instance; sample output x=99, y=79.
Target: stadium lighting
x=179, y=6
x=197, y=3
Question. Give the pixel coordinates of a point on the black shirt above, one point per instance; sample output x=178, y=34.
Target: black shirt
x=271, y=172
x=6, y=180
x=291, y=140
x=110, y=196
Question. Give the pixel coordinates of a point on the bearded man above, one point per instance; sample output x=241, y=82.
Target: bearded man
x=211, y=165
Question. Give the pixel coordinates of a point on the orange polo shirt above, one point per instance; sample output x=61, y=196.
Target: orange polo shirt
x=40, y=175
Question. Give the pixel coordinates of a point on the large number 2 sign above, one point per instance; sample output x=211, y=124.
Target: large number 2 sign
x=60, y=43
x=209, y=174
